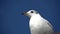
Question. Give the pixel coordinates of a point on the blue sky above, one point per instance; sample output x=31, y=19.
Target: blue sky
x=12, y=22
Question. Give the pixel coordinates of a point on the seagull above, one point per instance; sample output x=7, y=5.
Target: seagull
x=37, y=24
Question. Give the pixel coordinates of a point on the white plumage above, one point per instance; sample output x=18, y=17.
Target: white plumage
x=37, y=24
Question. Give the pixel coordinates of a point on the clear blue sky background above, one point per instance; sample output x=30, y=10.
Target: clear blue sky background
x=12, y=22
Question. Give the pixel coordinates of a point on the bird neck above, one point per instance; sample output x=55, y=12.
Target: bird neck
x=36, y=16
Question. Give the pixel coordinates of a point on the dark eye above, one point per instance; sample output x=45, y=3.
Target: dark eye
x=31, y=11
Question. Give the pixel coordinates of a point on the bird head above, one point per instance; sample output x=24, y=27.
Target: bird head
x=30, y=13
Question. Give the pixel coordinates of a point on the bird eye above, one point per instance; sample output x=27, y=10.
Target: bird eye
x=31, y=11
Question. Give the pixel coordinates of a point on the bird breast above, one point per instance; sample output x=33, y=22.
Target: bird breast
x=35, y=21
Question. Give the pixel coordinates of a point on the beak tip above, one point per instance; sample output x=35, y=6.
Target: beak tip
x=22, y=13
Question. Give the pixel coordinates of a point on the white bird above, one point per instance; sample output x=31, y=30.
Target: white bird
x=37, y=24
